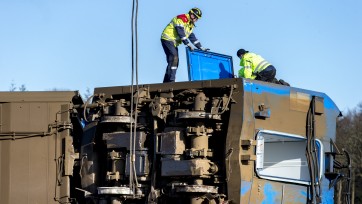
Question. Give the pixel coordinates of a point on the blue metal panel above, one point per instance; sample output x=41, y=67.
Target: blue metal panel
x=208, y=65
x=245, y=187
x=272, y=194
x=295, y=194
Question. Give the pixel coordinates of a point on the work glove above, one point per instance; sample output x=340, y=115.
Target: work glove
x=204, y=49
x=190, y=46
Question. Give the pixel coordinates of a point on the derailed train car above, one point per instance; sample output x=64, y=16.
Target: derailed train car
x=211, y=141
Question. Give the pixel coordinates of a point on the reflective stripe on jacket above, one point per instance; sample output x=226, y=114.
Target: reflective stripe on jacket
x=251, y=64
x=178, y=29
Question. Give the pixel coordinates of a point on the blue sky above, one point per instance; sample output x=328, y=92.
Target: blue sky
x=80, y=44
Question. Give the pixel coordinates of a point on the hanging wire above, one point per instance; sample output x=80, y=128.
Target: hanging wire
x=131, y=121
x=137, y=91
x=312, y=156
x=133, y=175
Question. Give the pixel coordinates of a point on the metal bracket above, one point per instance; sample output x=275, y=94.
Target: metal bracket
x=264, y=112
x=248, y=157
x=249, y=142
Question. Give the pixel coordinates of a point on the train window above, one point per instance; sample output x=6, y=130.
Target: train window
x=282, y=157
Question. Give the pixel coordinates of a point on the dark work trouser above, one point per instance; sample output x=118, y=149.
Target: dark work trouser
x=268, y=74
x=172, y=60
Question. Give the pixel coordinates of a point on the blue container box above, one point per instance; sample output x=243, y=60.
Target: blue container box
x=208, y=65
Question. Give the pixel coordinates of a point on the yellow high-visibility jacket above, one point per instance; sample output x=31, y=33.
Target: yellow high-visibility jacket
x=251, y=64
x=179, y=30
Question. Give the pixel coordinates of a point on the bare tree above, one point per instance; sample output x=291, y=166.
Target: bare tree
x=349, y=137
x=12, y=86
x=22, y=88
x=87, y=94
x=58, y=89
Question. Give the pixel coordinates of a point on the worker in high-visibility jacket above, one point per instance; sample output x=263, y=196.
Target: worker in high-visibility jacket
x=179, y=30
x=254, y=66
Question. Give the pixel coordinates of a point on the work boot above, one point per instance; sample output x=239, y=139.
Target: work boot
x=275, y=81
x=282, y=82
